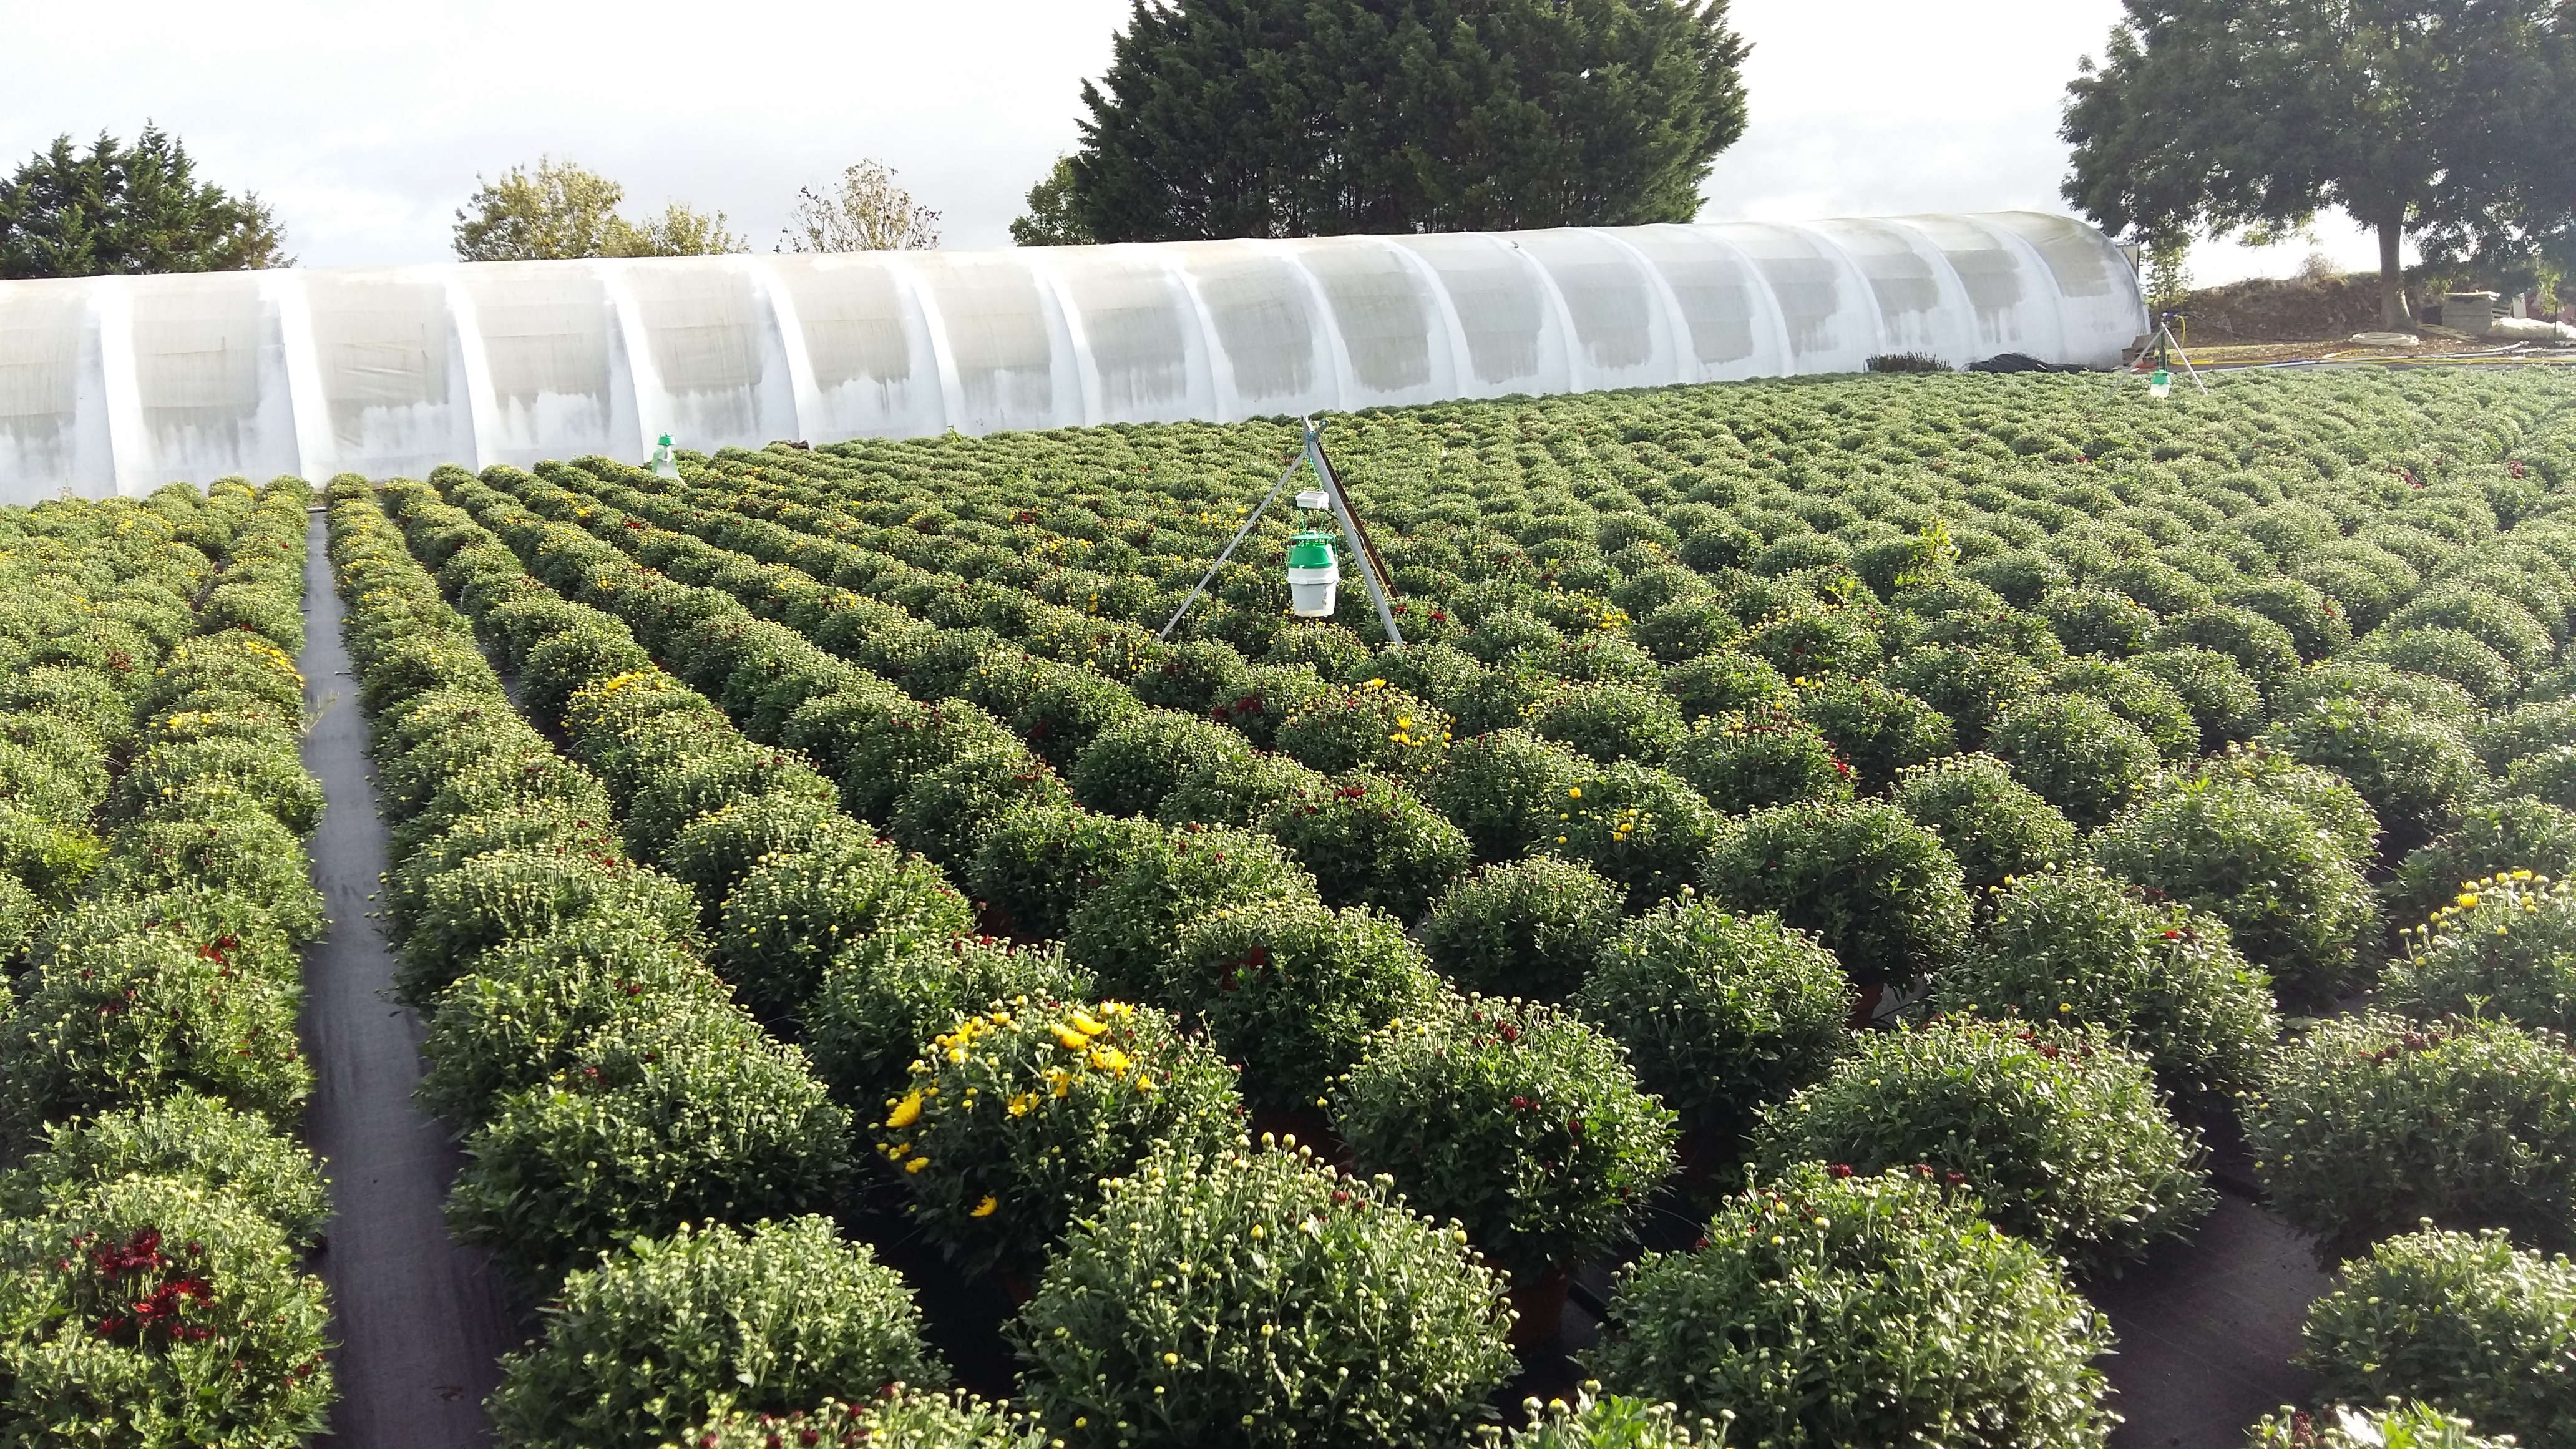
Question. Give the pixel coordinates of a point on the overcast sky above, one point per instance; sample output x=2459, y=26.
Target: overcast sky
x=365, y=126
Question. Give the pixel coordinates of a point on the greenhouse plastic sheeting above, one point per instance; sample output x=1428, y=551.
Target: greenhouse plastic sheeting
x=121, y=384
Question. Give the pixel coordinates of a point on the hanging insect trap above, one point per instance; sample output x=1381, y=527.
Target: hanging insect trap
x=1314, y=566
x=1314, y=577
x=2160, y=383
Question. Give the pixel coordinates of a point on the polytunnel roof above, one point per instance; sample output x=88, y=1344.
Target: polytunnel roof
x=121, y=384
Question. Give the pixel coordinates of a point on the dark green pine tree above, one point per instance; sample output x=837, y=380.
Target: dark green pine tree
x=118, y=209
x=1223, y=118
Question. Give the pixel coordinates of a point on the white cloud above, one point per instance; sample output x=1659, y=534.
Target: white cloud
x=365, y=125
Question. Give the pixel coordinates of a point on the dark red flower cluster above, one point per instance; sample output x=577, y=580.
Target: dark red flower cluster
x=159, y=1310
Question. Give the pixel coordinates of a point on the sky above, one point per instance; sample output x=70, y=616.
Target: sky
x=366, y=126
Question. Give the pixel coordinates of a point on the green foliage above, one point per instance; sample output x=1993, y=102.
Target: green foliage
x=1993, y=824
x=1815, y=643
x=1495, y=786
x=229, y=845
x=790, y=917
x=1522, y=116
x=1290, y=992
x=2468, y=1323
x=2325, y=797
x=2097, y=621
x=943, y=814
x=2077, y=755
x=2221, y=697
x=2294, y=902
x=901, y=1416
x=563, y=210
x=2315, y=625
x=2378, y=686
x=1643, y=827
x=714, y=851
x=670, y=1329
x=1883, y=893
x=1724, y=681
x=1368, y=726
x=1035, y=863
x=2077, y=946
x=1745, y=761
x=889, y=992
x=2415, y=772
x=1838, y=1308
x=1612, y=1421
x=1014, y=1115
x=2372, y=1124
x=2444, y=654
x=1877, y=730
x=1136, y=762
x=1721, y=1013
x=2059, y=1130
x=525, y=1007
x=1615, y=719
x=2142, y=699
x=1369, y=841
x=2400, y=1426
x=878, y=762
x=121, y=210
x=1513, y=1117
x=1127, y=928
x=186, y=1137
x=1524, y=928
x=2499, y=837
x=686, y=1115
x=1051, y=220
x=1315, y=1308
x=2500, y=624
x=1236, y=792
x=121, y=1019
x=2505, y=946
x=231, y=1353
x=505, y=895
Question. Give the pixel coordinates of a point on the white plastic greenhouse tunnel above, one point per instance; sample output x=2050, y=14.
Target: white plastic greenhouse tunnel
x=121, y=384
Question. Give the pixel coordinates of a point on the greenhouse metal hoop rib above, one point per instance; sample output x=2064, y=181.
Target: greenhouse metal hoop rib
x=1310, y=454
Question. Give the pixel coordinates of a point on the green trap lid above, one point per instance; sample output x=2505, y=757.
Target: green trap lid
x=1310, y=551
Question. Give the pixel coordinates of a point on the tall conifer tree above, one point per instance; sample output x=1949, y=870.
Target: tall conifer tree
x=1223, y=118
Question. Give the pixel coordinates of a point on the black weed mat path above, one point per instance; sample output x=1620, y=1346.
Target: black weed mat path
x=419, y=1321
x=2207, y=1329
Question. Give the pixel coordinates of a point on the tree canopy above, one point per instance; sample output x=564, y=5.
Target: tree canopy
x=864, y=212
x=1221, y=118
x=563, y=210
x=1051, y=220
x=118, y=209
x=2442, y=120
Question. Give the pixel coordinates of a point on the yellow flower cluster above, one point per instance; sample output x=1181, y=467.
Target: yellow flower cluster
x=1077, y=1033
x=2506, y=894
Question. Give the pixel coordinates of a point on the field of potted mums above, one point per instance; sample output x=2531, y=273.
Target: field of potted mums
x=1841, y=856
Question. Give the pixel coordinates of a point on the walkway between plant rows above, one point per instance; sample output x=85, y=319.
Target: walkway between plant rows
x=420, y=1322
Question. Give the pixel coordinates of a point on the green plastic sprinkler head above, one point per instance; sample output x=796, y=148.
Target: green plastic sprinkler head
x=1314, y=575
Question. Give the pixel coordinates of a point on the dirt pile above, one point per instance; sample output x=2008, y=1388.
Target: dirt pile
x=2307, y=308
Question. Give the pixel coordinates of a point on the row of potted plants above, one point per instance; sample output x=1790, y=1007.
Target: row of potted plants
x=154, y=1210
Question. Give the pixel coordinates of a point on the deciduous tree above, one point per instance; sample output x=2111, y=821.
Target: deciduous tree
x=864, y=212
x=1051, y=220
x=2440, y=120
x=564, y=210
